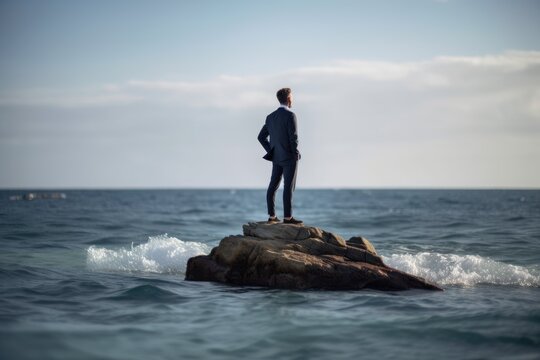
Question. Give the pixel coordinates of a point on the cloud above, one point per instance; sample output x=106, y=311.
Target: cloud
x=514, y=71
x=445, y=121
x=69, y=98
x=223, y=92
x=508, y=61
x=372, y=70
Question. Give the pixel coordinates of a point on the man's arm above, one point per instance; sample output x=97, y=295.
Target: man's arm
x=263, y=138
x=292, y=129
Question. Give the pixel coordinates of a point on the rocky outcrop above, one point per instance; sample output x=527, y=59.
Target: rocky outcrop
x=299, y=257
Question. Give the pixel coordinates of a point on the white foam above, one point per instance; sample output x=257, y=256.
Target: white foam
x=166, y=254
x=450, y=269
x=161, y=254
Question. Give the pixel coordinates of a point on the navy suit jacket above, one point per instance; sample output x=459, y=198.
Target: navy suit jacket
x=283, y=144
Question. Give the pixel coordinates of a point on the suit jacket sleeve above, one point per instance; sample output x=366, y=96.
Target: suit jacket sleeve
x=263, y=138
x=292, y=129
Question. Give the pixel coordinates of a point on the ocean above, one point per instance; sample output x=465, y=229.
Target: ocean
x=99, y=274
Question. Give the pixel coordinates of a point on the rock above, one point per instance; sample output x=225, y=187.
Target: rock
x=299, y=257
x=265, y=230
x=362, y=243
x=36, y=196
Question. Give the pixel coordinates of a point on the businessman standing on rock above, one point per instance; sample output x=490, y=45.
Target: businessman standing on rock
x=282, y=150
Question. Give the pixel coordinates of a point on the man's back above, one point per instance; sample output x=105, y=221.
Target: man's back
x=282, y=128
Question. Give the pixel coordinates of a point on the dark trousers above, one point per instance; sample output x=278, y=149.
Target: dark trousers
x=288, y=171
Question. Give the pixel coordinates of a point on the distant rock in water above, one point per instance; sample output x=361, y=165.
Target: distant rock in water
x=39, y=196
x=299, y=257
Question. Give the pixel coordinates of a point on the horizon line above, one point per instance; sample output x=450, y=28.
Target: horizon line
x=336, y=188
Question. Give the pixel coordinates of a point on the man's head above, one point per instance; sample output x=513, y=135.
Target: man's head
x=284, y=96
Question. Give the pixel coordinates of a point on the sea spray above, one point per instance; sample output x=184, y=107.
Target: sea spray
x=161, y=254
x=467, y=270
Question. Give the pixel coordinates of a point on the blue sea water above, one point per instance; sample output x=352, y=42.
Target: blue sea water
x=100, y=275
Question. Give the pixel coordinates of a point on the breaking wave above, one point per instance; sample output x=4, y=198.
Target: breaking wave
x=166, y=254
x=468, y=270
x=161, y=254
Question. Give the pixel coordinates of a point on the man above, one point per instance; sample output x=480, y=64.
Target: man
x=282, y=150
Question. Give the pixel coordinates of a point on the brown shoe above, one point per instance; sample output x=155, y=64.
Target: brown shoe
x=292, y=221
x=273, y=220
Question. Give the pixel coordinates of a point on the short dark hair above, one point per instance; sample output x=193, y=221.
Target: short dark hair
x=283, y=94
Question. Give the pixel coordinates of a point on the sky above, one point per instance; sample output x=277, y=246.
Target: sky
x=172, y=94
